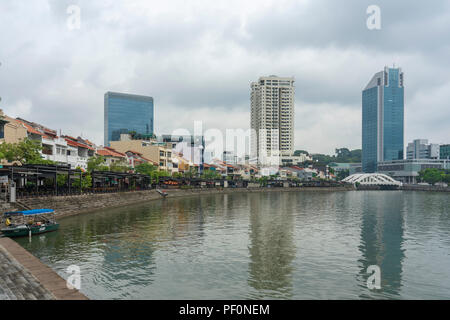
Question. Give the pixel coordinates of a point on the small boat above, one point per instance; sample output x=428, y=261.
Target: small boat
x=28, y=222
x=162, y=193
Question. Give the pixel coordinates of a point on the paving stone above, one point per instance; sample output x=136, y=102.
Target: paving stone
x=16, y=283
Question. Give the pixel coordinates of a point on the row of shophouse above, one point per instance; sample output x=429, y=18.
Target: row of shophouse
x=174, y=154
x=68, y=150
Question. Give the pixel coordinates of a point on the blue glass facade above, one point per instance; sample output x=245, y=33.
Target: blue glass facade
x=393, y=118
x=382, y=119
x=127, y=112
x=370, y=129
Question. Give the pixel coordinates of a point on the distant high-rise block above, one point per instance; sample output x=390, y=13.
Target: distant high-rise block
x=421, y=149
x=382, y=119
x=272, y=117
x=125, y=113
x=444, y=151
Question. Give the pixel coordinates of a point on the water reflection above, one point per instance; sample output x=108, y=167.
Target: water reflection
x=382, y=236
x=261, y=245
x=272, y=247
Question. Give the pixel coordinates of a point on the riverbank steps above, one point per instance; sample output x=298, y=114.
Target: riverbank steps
x=76, y=204
x=24, y=277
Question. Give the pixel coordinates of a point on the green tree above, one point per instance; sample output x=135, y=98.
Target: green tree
x=298, y=152
x=210, y=174
x=343, y=155
x=177, y=175
x=446, y=178
x=25, y=152
x=192, y=172
x=263, y=181
x=145, y=168
x=86, y=181
x=432, y=175
x=96, y=163
x=342, y=174
x=157, y=174
x=120, y=166
x=61, y=180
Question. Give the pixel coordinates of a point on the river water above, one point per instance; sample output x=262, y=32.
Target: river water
x=273, y=245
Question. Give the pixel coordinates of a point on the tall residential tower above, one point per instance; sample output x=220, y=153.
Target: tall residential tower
x=272, y=117
x=382, y=119
x=125, y=113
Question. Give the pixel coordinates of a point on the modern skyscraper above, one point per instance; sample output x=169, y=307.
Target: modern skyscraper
x=272, y=117
x=382, y=119
x=125, y=113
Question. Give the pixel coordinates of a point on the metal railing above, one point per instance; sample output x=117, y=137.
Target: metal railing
x=65, y=191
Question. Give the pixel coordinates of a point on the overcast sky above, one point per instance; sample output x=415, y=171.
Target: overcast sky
x=198, y=58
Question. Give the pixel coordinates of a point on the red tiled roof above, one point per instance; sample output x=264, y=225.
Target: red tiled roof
x=71, y=138
x=50, y=131
x=30, y=129
x=151, y=161
x=115, y=151
x=77, y=144
x=88, y=142
x=109, y=152
x=135, y=152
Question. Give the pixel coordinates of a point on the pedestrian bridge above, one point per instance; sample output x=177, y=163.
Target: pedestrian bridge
x=372, y=179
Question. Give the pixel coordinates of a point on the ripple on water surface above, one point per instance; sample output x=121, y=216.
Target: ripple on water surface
x=278, y=245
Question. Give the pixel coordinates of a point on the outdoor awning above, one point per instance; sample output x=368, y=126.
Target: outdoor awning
x=30, y=212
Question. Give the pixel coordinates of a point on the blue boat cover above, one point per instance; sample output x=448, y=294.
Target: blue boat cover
x=30, y=212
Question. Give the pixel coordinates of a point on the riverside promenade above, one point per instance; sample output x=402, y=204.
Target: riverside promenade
x=24, y=277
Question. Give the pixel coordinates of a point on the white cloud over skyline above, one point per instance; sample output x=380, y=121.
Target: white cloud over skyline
x=198, y=58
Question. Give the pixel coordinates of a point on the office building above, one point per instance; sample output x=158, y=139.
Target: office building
x=229, y=157
x=383, y=119
x=272, y=118
x=190, y=148
x=407, y=171
x=444, y=151
x=421, y=149
x=125, y=113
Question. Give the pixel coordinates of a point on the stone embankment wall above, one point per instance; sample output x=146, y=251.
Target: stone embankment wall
x=409, y=187
x=71, y=205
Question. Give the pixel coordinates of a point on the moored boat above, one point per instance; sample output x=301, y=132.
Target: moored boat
x=162, y=193
x=28, y=222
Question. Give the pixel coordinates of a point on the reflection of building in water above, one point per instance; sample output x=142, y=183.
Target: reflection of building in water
x=135, y=237
x=186, y=223
x=272, y=247
x=130, y=240
x=381, y=241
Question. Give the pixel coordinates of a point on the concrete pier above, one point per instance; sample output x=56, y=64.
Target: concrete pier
x=24, y=277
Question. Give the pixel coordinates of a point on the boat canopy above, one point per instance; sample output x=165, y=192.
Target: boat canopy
x=29, y=212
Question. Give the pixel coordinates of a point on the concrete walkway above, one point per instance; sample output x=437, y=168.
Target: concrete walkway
x=24, y=277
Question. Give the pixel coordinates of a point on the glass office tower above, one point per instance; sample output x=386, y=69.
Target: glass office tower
x=382, y=119
x=125, y=113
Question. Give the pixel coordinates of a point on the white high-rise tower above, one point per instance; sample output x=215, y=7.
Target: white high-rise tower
x=272, y=118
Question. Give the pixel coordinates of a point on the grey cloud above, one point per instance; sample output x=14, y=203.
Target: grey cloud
x=197, y=61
